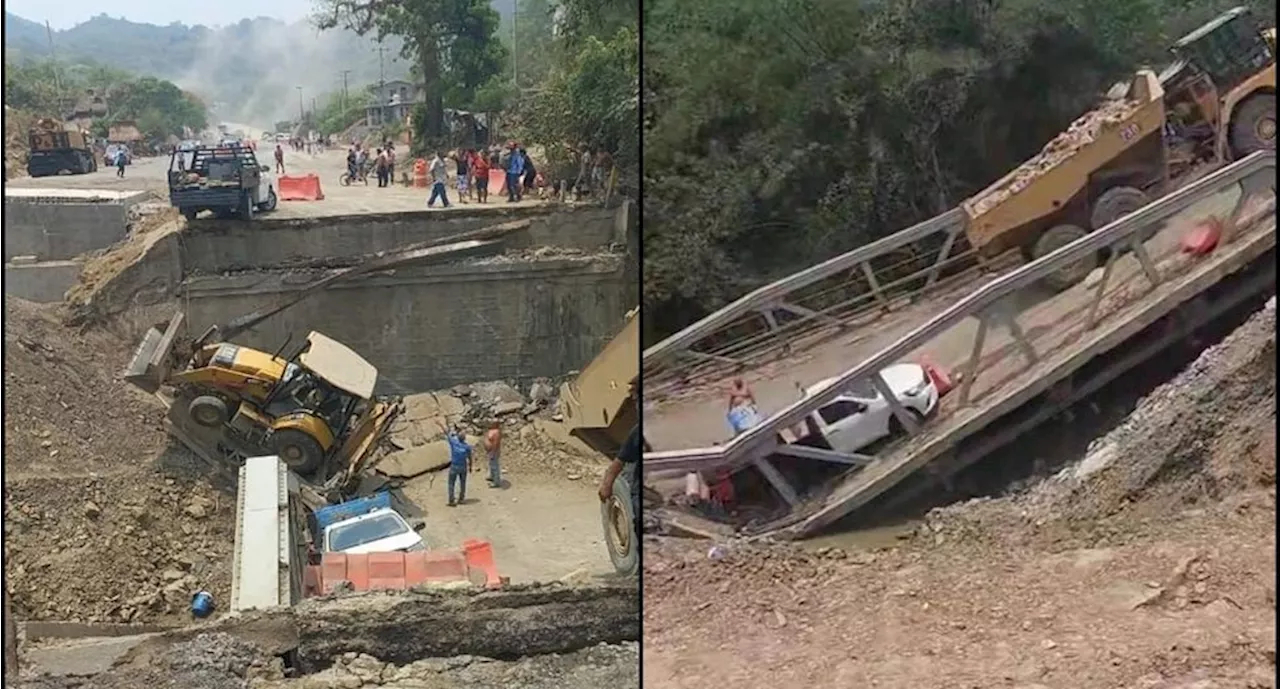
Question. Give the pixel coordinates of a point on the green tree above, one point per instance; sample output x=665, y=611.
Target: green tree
x=453, y=44
x=781, y=132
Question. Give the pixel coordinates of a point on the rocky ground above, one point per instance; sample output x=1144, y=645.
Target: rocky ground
x=104, y=520
x=571, y=637
x=1147, y=563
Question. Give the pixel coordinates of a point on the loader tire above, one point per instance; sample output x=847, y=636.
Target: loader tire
x=621, y=528
x=1253, y=126
x=299, y=451
x=1116, y=203
x=208, y=411
x=1055, y=238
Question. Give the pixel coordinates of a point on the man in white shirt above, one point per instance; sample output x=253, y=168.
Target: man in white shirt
x=439, y=181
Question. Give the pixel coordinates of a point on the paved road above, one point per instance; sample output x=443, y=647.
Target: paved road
x=150, y=174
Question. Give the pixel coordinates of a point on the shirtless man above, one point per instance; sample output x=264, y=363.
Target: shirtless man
x=742, y=412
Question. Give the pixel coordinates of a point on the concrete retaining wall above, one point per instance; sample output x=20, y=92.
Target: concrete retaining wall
x=40, y=282
x=53, y=230
x=218, y=247
x=433, y=327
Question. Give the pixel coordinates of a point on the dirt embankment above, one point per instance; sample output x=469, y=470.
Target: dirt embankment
x=1150, y=562
x=104, y=521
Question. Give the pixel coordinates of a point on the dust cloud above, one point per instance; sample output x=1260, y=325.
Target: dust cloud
x=250, y=72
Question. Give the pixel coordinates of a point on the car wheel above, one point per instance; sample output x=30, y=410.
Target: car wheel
x=895, y=426
x=270, y=203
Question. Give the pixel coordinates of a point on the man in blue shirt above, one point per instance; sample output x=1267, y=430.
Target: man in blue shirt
x=515, y=170
x=459, y=464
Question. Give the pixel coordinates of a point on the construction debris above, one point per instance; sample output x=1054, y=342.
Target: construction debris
x=1081, y=133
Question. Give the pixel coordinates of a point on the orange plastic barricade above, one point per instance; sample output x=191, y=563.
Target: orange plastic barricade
x=497, y=181
x=1204, y=237
x=938, y=376
x=479, y=555
x=420, y=173
x=304, y=188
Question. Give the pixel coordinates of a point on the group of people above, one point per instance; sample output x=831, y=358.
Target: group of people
x=461, y=461
x=472, y=171
x=382, y=163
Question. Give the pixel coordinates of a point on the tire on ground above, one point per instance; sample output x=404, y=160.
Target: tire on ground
x=1055, y=238
x=271, y=202
x=299, y=451
x=618, y=517
x=1253, y=126
x=209, y=411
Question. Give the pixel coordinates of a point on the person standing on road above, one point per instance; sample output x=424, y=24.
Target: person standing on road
x=493, y=449
x=464, y=174
x=279, y=159
x=515, y=168
x=459, y=465
x=530, y=174
x=480, y=168
x=391, y=163
x=380, y=164
x=120, y=161
x=439, y=181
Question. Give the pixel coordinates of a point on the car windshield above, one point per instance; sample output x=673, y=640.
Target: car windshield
x=353, y=535
x=862, y=389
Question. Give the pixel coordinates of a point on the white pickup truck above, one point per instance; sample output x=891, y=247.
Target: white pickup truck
x=861, y=416
x=375, y=527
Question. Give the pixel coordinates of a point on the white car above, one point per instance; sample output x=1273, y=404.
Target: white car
x=860, y=416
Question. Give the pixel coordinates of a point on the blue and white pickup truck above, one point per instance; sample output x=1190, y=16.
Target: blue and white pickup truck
x=366, y=525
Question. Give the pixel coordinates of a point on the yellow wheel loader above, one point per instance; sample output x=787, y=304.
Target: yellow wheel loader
x=316, y=408
x=1216, y=103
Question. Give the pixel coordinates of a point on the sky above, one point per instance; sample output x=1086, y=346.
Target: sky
x=65, y=14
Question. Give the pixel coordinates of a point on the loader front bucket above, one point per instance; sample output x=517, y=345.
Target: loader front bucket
x=363, y=448
x=153, y=360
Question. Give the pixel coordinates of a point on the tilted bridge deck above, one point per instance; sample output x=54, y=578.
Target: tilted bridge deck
x=1011, y=340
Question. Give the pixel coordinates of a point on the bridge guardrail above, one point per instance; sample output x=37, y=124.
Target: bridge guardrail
x=1253, y=174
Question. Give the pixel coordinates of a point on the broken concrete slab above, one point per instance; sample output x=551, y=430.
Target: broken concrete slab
x=415, y=461
x=431, y=405
x=82, y=657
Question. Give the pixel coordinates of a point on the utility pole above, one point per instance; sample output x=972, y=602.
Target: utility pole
x=53, y=60
x=345, y=72
x=382, y=66
x=515, y=63
x=301, y=115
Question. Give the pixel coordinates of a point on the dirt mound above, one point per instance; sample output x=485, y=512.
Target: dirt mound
x=1202, y=437
x=16, y=147
x=1150, y=563
x=94, y=530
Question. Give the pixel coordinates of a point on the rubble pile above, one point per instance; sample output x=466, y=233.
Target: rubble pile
x=1081, y=133
x=95, y=531
x=529, y=421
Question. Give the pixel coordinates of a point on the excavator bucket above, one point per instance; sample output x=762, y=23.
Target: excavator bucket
x=359, y=451
x=153, y=360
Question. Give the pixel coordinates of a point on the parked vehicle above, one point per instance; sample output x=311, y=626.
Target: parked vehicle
x=366, y=525
x=227, y=179
x=55, y=150
x=861, y=416
x=109, y=157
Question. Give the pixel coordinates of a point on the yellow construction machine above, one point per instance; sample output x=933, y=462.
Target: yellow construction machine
x=315, y=408
x=601, y=407
x=1215, y=103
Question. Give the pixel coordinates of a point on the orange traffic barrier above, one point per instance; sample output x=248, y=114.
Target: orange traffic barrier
x=497, y=181
x=939, y=377
x=479, y=555
x=305, y=188
x=1204, y=237
x=420, y=173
